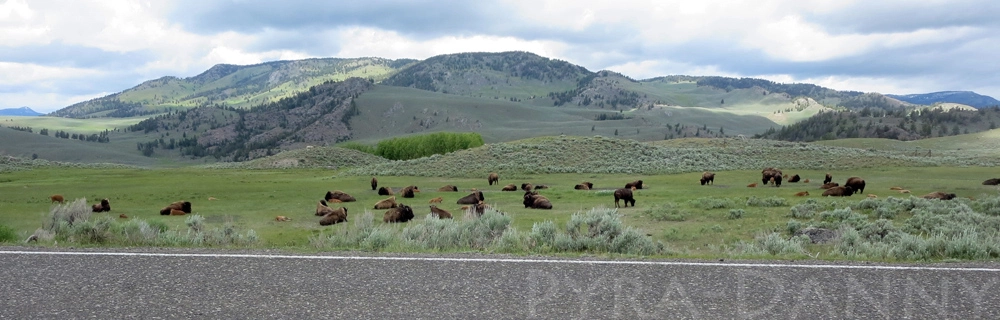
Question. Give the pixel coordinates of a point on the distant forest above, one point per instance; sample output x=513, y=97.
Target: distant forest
x=876, y=123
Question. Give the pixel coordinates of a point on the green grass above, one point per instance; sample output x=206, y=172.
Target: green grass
x=86, y=126
x=250, y=199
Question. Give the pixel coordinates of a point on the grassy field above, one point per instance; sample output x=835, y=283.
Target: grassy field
x=692, y=220
x=85, y=126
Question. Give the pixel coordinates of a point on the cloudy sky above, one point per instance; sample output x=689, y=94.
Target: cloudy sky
x=55, y=53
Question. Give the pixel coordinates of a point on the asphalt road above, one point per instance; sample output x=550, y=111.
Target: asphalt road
x=198, y=284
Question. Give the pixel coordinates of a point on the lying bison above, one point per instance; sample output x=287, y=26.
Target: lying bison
x=448, y=188
x=472, y=198
x=856, y=183
x=493, y=178
x=527, y=187
x=105, y=205
x=637, y=184
x=182, y=206
x=334, y=216
x=707, y=178
x=843, y=191
x=794, y=178
x=408, y=191
x=339, y=195
x=584, y=186
x=385, y=191
x=771, y=175
x=992, y=182
x=535, y=201
x=626, y=195
x=386, y=203
x=440, y=213
x=402, y=213
x=829, y=185
x=509, y=187
x=939, y=195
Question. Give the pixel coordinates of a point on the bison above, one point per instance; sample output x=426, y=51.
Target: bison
x=802, y=194
x=334, y=216
x=409, y=191
x=175, y=212
x=57, y=198
x=440, y=213
x=509, y=187
x=827, y=179
x=794, y=178
x=895, y=188
x=321, y=208
x=541, y=186
x=535, y=201
x=829, y=185
x=527, y=187
x=105, y=205
x=436, y=200
x=991, y=182
x=770, y=174
x=472, y=198
x=182, y=205
x=939, y=195
x=386, y=203
x=339, y=195
x=626, y=195
x=282, y=219
x=385, y=191
x=584, y=186
x=707, y=178
x=752, y=185
x=493, y=178
x=448, y=188
x=842, y=191
x=856, y=183
x=637, y=184
x=402, y=213
x=374, y=183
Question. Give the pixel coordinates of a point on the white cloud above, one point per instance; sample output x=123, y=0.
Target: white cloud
x=23, y=74
x=371, y=42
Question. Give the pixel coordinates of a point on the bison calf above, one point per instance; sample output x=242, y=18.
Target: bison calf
x=440, y=213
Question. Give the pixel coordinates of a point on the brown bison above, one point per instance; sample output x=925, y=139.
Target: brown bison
x=856, y=183
x=872, y=195
x=339, y=195
x=535, y=201
x=626, y=195
x=707, y=178
x=436, y=200
x=493, y=178
x=175, y=212
x=527, y=187
x=409, y=191
x=843, y=191
x=991, y=182
x=386, y=203
x=182, y=206
x=895, y=188
x=440, y=213
x=828, y=178
x=334, y=216
x=57, y=198
x=939, y=195
x=752, y=185
x=584, y=186
x=402, y=213
x=541, y=186
x=794, y=178
x=770, y=174
x=637, y=184
x=472, y=198
x=282, y=219
x=802, y=194
x=385, y=191
x=105, y=205
x=509, y=187
x=829, y=185
x=805, y=181
x=448, y=188
x=321, y=208
x=904, y=191
x=374, y=183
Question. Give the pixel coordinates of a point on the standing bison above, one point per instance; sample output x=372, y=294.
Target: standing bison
x=626, y=195
x=770, y=174
x=493, y=178
x=828, y=178
x=374, y=183
x=707, y=178
x=856, y=183
x=57, y=198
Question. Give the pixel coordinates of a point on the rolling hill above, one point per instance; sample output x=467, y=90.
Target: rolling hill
x=22, y=111
x=968, y=98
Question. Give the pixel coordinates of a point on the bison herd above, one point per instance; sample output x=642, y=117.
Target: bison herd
x=474, y=202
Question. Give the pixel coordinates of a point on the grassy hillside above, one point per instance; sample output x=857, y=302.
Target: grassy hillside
x=231, y=86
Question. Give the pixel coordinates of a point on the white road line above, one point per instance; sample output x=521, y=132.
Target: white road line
x=500, y=260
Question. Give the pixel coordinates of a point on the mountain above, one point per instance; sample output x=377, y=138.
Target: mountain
x=231, y=86
x=22, y=111
x=968, y=98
